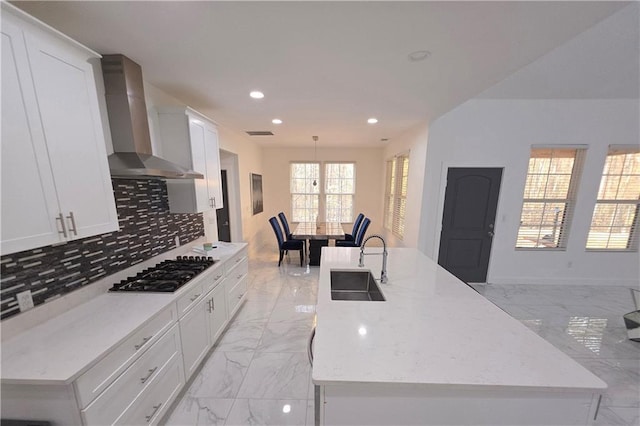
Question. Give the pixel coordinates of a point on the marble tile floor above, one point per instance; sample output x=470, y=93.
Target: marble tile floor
x=259, y=374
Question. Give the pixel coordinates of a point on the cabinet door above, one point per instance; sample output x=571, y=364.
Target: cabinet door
x=199, y=162
x=194, y=333
x=29, y=201
x=214, y=181
x=67, y=100
x=218, y=311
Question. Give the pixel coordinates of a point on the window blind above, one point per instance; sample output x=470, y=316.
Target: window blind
x=614, y=222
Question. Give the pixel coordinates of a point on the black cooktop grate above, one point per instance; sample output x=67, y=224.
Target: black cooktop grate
x=166, y=276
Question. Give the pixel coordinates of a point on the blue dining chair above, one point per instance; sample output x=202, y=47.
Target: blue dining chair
x=356, y=226
x=286, y=245
x=287, y=231
x=359, y=238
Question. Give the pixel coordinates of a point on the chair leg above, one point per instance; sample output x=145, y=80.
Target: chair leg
x=281, y=255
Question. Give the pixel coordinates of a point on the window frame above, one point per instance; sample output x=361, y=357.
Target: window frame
x=632, y=239
x=292, y=194
x=325, y=194
x=568, y=201
x=321, y=192
x=395, y=197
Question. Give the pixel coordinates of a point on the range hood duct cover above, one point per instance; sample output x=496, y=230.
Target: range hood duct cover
x=127, y=110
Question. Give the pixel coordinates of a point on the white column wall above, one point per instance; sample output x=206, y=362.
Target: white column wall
x=499, y=133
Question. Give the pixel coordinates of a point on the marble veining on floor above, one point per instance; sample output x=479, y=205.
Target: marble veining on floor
x=259, y=374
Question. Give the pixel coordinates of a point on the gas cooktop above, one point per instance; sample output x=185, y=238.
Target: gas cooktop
x=167, y=276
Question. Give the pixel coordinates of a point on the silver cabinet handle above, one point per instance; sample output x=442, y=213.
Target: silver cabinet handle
x=211, y=202
x=64, y=228
x=144, y=379
x=144, y=340
x=239, y=276
x=195, y=297
x=214, y=202
x=210, y=303
x=155, y=410
x=310, y=347
x=213, y=304
x=73, y=223
x=217, y=277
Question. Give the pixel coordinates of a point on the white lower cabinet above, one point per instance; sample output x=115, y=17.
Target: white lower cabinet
x=391, y=403
x=136, y=381
x=113, y=403
x=195, y=337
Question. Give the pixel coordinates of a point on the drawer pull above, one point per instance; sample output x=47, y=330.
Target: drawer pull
x=212, y=305
x=238, y=260
x=144, y=340
x=144, y=379
x=239, y=276
x=155, y=410
x=240, y=297
x=195, y=297
x=217, y=277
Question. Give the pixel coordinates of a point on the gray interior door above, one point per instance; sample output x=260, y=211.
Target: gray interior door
x=224, y=228
x=468, y=221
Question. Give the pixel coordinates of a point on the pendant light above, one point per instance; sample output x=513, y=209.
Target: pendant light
x=315, y=155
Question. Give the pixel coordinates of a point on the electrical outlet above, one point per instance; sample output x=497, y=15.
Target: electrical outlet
x=25, y=301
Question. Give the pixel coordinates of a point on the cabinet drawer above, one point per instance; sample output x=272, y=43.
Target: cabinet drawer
x=239, y=270
x=151, y=405
x=106, y=408
x=236, y=293
x=234, y=260
x=189, y=299
x=101, y=375
x=214, y=278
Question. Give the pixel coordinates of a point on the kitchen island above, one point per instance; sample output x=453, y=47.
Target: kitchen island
x=436, y=352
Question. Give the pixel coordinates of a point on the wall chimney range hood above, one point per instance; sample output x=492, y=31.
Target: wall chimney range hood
x=127, y=111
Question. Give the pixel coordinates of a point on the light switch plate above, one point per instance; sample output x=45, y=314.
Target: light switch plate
x=25, y=300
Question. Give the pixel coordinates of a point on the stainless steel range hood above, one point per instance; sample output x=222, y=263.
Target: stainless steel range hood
x=133, y=157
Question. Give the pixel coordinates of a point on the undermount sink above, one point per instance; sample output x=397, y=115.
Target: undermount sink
x=354, y=285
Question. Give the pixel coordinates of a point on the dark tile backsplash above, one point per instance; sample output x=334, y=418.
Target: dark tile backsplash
x=146, y=230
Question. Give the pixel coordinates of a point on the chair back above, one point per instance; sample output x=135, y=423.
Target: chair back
x=285, y=225
x=362, y=231
x=356, y=225
x=276, y=229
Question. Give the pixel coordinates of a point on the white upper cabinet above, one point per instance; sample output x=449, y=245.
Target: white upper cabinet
x=191, y=140
x=56, y=184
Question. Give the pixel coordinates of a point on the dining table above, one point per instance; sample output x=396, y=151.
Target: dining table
x=318, y=234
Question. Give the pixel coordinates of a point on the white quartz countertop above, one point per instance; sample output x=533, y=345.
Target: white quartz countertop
x=432, y=330
x=60, y=349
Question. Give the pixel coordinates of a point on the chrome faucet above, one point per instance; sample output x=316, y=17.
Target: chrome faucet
x=383, y=274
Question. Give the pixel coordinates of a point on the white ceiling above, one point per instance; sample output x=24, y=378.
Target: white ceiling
x=325, y=67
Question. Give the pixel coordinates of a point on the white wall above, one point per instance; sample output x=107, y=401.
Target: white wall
x=249, y=161
x=415, y=142
x=499, y=133
x=369, y=180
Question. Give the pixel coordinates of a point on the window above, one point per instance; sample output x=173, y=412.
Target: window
x=396, y=194
x=615, y=217
x=549, y=197
x=304, y=194
x=340, y=187
x=331, y=201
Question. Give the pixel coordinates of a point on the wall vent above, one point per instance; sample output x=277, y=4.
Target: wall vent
x=259, y=133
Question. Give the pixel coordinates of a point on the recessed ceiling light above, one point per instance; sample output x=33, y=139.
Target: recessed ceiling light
x=372, y=120
x=276, y=121
x=256, y=94
x=419, y=55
